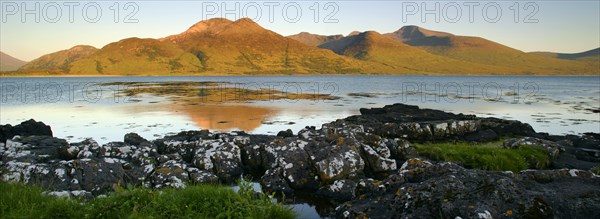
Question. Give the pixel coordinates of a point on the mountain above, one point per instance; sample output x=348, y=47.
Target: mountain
x=9, y=63
x=221, y=47
x=135, y=56
x=483, y=51
x=58, y=61
x=590, y=55
x=242, y=46
x=314, y=39
x=374, y=47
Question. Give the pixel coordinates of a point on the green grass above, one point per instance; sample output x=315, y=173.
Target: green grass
x=198, y=201
x=486, y=156
x=596, y=170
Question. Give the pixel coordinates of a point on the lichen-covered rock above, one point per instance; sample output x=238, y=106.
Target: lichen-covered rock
x=87, y=149
x=98, y=176
x=342, y=163
x=201, y=176
x=273, y=181
x=341, y=190
x=550, y=146
x=422, y=189
x=221, y=158
x=376, y=162
x=400, y=149
x=169, y=174
x=290, y=155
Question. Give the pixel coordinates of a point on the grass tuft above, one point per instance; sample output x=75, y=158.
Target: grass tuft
x=596, y=170
x=487, y=156
x=197, y=201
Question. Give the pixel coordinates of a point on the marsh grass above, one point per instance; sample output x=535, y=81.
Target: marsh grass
x=197, y=201
x=487, y=156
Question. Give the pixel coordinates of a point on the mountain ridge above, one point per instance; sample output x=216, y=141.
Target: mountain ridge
x=9, y=63
x=221, y=46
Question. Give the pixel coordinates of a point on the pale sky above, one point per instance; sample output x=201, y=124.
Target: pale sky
x=558, y=26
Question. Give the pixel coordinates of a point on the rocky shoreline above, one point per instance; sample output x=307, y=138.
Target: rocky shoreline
x=364, y=165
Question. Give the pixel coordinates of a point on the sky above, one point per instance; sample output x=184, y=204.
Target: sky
x=555, y=25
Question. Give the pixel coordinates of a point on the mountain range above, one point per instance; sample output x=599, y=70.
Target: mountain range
x=219, y=46
x=9, y=63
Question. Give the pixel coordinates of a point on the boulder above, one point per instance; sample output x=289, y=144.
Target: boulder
x=340, y=190
x=26, y=128
x=134, y=139
x=286, y=134
x=169, y=174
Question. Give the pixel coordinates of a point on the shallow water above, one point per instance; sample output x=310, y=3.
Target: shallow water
x=78, y=108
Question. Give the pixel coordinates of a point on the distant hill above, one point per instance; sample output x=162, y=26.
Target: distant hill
x=314, y=39
x=224, y=46
x=59, y=61
x=483, y=51
x=9, y=63
x=374, y=47
x=135, y=56
x=590, y=55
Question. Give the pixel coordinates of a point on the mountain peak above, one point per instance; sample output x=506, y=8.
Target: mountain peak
x=213, y=24
x=244, y=23
x=411, y=32
x=353, y=33
x=79, y=48
x=245, y=20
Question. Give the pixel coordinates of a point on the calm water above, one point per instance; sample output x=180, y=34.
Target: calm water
x=77, y=108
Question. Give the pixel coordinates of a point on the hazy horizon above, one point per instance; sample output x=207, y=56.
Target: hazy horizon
x=577, y=29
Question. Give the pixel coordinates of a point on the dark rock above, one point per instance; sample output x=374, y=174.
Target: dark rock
x=68, y=152
x=26, y=128
x=341, y=190
x=509, y=127
x=133, y=139
x=424, y=190
x=286, y=134
x=99, y=175
x=589, y=155
x=34, y=148
x=273, y=181
x=400, y=149
x=482, y=136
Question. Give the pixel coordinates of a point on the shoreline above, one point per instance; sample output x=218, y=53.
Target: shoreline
x=298, y=75
x=373, y=155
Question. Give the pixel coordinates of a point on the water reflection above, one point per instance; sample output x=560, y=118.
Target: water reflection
x=225, y=117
